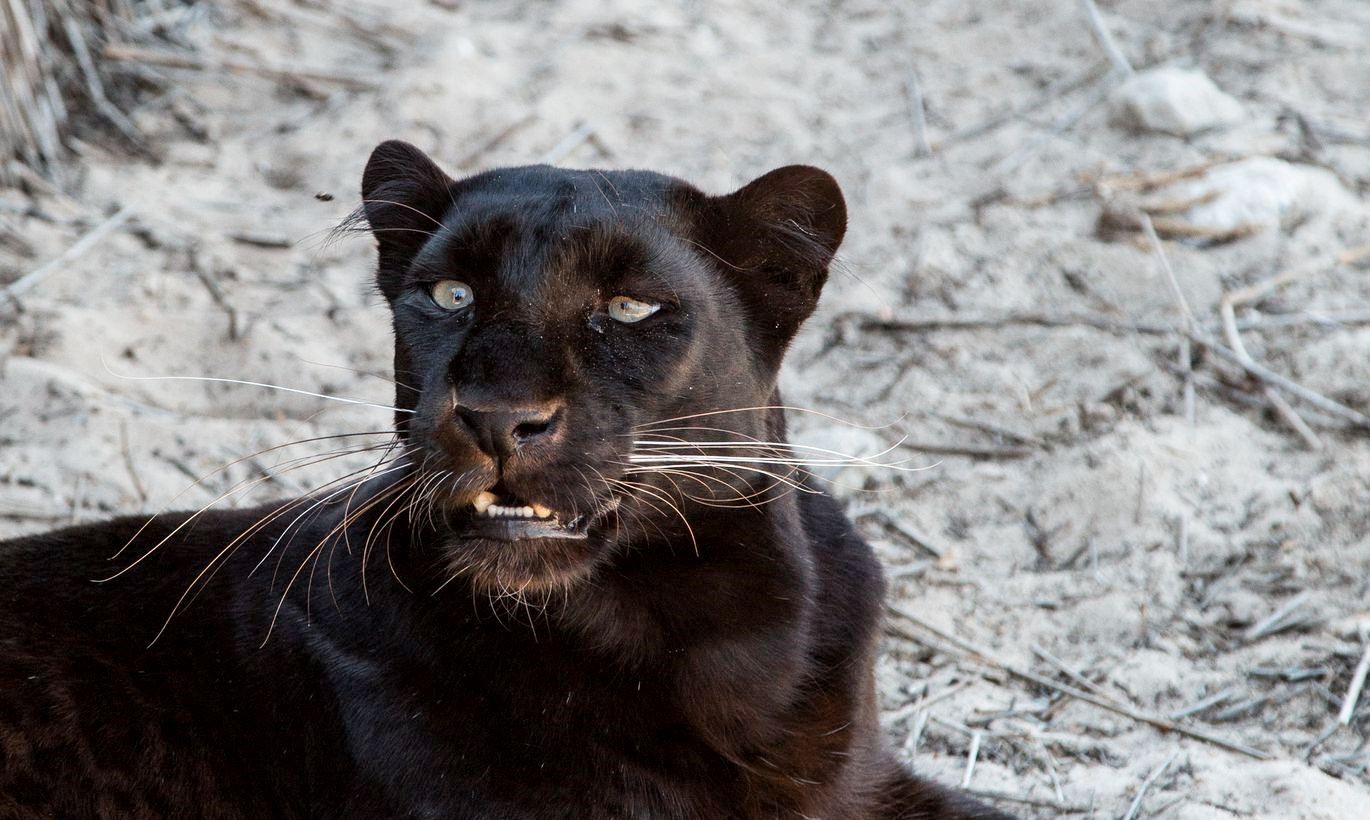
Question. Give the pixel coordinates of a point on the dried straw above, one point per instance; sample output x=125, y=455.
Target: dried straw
x=51, y=82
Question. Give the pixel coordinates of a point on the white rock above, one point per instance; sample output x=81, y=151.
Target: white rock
x=1261, y=191
x=1177, y=101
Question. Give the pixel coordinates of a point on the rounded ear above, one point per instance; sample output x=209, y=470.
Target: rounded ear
x=777, y=235
x=404, y=197
x=799, y=198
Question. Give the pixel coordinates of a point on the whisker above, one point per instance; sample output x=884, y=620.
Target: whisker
x=359, y=372
x=242, y=486
x=353, y=482
x=429, y=217
x=715, y=501
x=639, y=486
x=762, y=408
x=837, y=457
x=216, y=560
x=745, y=465
x=227, y=466
x=214, y=379
x=417, y=476
x=291, y=583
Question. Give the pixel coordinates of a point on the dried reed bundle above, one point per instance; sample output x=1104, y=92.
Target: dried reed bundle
x=50, y=80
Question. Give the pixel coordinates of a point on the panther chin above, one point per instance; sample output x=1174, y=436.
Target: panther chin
x=505, y=546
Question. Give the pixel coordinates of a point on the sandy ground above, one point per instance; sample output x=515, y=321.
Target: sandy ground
x=1077, y=510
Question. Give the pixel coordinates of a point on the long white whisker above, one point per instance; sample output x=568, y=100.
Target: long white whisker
x=837, y=457
x=745, y=465
x=762, y=408
x=780, y=462
x=342, y=399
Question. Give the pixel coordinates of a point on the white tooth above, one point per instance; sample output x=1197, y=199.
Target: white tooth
x=541, y=511
x=484, y=501
x=526, y=512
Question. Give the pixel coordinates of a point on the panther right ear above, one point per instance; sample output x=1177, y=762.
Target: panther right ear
x=776, y=237
x=404, y=197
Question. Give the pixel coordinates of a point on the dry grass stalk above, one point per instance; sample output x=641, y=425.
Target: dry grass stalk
x=51, y=77
x=1348, y=706
x=1227, y=311
x=1103, y=702
x=1151, y=779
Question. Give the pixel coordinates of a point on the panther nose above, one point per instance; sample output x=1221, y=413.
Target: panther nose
x=499, y=432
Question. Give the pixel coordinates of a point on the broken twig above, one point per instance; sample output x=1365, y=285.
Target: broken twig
x=1348, y=705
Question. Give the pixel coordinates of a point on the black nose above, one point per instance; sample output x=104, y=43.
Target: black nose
x=499, y=432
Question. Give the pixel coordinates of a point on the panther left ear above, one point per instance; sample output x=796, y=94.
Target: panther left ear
x=404, y=197
x=777, y=235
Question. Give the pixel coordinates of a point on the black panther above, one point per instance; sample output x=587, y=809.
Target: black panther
x=584, y=579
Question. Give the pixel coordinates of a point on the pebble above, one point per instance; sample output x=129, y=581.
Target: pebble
x=1178, y=101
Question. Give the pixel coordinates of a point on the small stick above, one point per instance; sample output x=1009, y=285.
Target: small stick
x=917, y=114
x=931, y=323
x=1348, y=706
x=1337, y=319
x=1227, y=311
x=1146, y=785
x=261, y=240
x=94, y=87
x=970, y=450
x=1311, y=397
x=1240, y=708
x=1079, y=694
x=1065, y=668
x=913, y=535
x=128, y=463
x=1277, y=621
x=1141, y=494
x=971, y=757
x=76, y=499
x=1179, y=229
x=923, y=325
x=920, y=724
x=85, y=243
x=125, y=53
x=582, y=132
x=1144, y=181
x=1184, y=358
x=1187, y=370
x=1060, y=807
x=1051, y=771
x=1105, y=38
x=1290, y=416
x=1159, y=250
x=922, y=704
x=220, y=298
x=992, y=429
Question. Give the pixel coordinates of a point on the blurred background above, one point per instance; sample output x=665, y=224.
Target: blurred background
x=1107, y=277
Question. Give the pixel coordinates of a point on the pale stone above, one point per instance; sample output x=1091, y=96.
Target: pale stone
x=1177, y=101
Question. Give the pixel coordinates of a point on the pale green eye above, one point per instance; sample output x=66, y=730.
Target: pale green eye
x=449, y=294
x=628, y=310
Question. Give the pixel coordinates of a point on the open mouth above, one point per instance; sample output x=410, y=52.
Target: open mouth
x=505, y=518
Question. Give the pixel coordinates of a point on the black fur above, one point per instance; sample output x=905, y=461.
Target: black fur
x=677, y=650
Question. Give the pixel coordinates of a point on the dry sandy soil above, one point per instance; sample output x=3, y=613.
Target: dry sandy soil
x=998, y=311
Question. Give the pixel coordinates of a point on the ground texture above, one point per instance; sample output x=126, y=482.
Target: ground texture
x=1106, y=507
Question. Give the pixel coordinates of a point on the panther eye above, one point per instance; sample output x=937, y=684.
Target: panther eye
x=449, y=294
x=628, y=310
